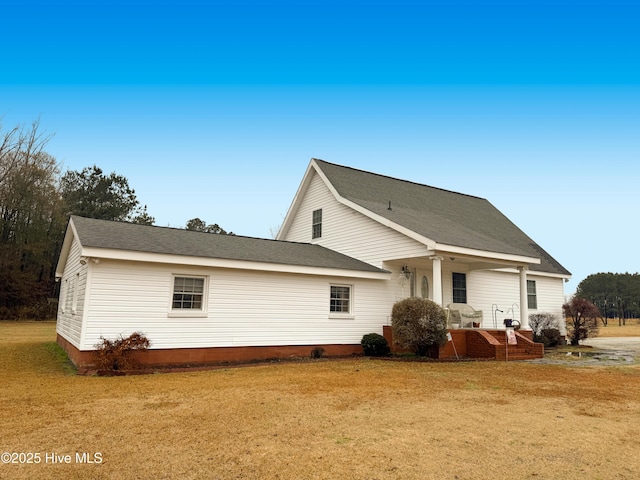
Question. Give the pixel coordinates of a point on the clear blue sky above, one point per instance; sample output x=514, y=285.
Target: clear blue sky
x=213, y=109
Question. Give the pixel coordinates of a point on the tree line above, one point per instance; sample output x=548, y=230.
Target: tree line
x=36, y=200
x=617, y=295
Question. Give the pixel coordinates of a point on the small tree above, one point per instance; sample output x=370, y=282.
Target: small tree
x=419, y=325
x=582, y=319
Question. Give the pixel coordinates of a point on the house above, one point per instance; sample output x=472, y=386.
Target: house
x=351, y=245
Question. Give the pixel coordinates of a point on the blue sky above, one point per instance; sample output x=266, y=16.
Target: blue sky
x=213, y=109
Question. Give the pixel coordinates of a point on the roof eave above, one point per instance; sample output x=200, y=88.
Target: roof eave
x=163, y=258
x=295, y=203
x=69, y=235
x=507, y=258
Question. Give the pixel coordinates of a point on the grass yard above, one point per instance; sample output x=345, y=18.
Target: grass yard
x=631, y=329
x=344, y=419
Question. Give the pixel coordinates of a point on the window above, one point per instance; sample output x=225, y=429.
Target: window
x=340, y=299
x=532, y=298
x=424, y=288
x=188, y=293
x=64, y=295
x=459, y=287
x=316, y=227
x=74, y=301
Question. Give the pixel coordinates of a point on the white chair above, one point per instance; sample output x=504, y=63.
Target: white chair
x=464, y=315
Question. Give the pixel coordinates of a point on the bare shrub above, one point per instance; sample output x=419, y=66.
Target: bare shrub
x=317, y=352
x=546, y=329
x=117, y=355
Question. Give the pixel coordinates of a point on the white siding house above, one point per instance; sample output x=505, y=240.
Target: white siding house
x=432, y=235
x=351, y=245
x=193, y=293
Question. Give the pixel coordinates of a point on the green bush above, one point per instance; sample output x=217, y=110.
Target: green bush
x=420, y=325
x=375, y=345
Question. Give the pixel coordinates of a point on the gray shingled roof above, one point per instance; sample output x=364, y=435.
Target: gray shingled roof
x=447, y=217
x=151, y=239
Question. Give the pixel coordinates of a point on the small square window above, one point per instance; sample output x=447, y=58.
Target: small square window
x=188, y=293
x=340, y=299
x=316, y=229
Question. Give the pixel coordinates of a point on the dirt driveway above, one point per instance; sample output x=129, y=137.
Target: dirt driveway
x=631, y=344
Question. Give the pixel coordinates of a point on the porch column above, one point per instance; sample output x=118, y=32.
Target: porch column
x=437, y=279
x=524, y=302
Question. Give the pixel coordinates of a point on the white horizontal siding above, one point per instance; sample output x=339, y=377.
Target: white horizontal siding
x=550, y=294
x=245, y=308
x=486, y=288
x=69, y=321
x=348, y=231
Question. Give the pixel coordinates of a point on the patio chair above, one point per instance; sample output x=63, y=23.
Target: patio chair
x=464, y=315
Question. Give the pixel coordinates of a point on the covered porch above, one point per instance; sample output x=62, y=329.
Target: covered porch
x=482, y=293
x=477, y=289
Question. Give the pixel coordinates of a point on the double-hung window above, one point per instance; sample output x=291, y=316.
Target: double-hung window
x=316, y=224
x=188, y=294
x=532, y=298
x=340, y=299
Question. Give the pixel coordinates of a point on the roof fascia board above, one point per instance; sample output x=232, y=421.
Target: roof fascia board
x=374, y=216
x=503, y=257
x=537, y=273
x=128, y=255
x=295, y=203
x=69, y=235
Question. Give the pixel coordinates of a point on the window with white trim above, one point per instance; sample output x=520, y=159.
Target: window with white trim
x=532, y=297
x=188, y=293
x=316, y=223
x=340, y=299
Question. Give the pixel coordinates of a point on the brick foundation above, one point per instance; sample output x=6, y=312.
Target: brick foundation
x=478, y=343
x=180, y=357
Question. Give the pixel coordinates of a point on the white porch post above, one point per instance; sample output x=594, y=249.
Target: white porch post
x=524, y=302
x=437, y=279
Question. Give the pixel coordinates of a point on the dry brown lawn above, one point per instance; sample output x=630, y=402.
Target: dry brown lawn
x=339, y=419
x=614, y=329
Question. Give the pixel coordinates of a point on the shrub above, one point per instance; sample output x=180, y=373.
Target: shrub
x=419, y=324
x=317, y=352
x=117, y=355
x=550, y=337
x=375, y=345
x=546, y=328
